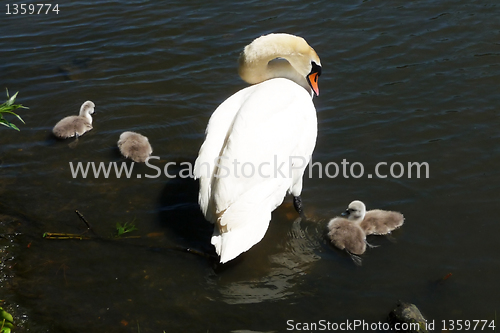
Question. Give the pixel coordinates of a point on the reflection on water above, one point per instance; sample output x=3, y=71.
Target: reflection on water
x=416, y=82
x=284, y=271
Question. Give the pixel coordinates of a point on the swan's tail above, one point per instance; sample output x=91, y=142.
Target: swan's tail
x=247, y=229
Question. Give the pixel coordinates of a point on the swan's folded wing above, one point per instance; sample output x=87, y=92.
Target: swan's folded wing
x=216, y=134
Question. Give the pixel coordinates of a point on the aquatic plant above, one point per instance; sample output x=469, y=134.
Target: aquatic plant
x=6, y=321
x=8, y=108
x=123, y=229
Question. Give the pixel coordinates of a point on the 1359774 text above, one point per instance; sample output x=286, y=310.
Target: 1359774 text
x=31, y=9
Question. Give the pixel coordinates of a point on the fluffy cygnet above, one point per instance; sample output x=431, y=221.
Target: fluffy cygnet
x=373, y=222
x=350, y=230
x=75, y=125
x=347, y=235
x=135, y=146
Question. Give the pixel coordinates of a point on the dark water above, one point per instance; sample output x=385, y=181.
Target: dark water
x=402, y=82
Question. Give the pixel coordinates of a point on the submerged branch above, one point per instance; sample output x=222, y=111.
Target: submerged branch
x=89, y=227
x=60, y=235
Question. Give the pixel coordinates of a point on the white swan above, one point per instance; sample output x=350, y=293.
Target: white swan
x=373, y=222
x=71, y=126
x=135, y=146
x=269, y=128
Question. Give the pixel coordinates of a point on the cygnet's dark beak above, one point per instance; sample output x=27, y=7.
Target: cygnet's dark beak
x=346, y=213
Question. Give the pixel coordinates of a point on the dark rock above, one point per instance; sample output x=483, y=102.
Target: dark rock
x=406, y=317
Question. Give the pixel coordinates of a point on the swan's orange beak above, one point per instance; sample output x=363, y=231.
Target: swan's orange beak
x=313, y=82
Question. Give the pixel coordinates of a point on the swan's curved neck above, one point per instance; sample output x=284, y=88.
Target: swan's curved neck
x=88, y=117
x=85, y=112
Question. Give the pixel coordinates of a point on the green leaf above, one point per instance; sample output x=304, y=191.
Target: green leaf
x=15, y=114
x=12, y=99
x=10, y=125
x=6, y=316
x=123, y=229
x=7, y=108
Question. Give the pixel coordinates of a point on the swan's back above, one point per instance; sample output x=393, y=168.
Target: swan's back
x=259, y=127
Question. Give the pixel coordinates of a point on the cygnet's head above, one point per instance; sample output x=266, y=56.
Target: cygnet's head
x=355, y=211
x=125, y=135
x=87, y=108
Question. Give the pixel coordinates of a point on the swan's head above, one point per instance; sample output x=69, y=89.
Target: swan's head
x=281, y=55
x=355, y=211
x=87, y=108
